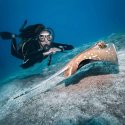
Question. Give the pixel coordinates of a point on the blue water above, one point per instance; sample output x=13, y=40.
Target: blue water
x=75, y=22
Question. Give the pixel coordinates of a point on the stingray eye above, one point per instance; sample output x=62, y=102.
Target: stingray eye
x=102, y=45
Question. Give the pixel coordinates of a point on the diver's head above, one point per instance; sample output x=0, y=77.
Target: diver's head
x=45, y=37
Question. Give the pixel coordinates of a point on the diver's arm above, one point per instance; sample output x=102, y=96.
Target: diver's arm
x=31, y=53
x=46, y=53
x=34, y=54
x=40, y=53
x=63, y=46
x=52, y=51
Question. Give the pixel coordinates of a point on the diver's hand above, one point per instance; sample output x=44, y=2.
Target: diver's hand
x=54, y=50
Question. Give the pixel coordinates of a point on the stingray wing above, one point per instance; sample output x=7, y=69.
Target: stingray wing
x=96, y=53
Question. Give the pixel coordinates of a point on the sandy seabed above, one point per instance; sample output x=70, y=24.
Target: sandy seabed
x=93, y=96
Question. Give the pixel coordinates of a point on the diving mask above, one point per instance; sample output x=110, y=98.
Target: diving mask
x=45, y=36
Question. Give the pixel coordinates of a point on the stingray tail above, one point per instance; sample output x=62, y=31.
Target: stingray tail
x=38, y=86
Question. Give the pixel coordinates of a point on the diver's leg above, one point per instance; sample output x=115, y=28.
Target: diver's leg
x=13, y=47
x=28, y=63
x=14, y=50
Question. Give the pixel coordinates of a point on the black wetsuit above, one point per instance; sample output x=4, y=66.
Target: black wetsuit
x=31, y=51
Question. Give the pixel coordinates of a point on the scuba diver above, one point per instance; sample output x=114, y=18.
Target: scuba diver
x=37, y=43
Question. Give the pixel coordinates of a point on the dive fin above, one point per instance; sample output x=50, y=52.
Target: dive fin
x=22, y=27
x=6, y=35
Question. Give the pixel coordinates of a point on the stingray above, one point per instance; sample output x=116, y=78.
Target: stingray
x=98, y=52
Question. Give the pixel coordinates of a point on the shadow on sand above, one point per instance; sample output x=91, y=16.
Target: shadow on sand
x=92, y=69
